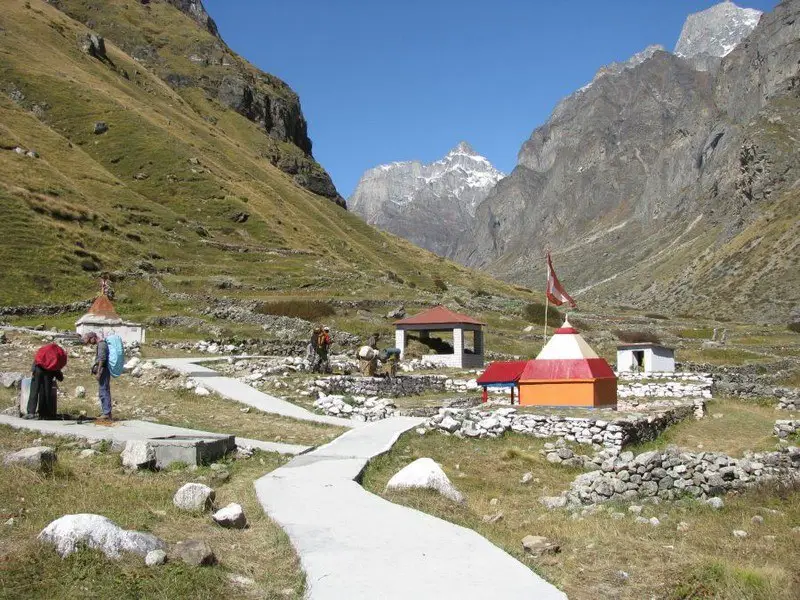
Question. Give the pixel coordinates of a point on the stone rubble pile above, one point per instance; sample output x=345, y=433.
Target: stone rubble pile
x=789, y=403
x=672, y=473
x=785, y=428
x=360, y=408
x=617, y=432
x=666, y=385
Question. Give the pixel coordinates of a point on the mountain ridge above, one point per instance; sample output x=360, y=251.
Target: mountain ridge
x=431, y=205
x=663, y=155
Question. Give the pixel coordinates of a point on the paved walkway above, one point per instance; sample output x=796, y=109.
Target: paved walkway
x=123, y=431
x=355, y=545
x=234, y=389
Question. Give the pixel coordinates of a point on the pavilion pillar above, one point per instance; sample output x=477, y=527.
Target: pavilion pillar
x=400, y=340
x=478, y=349
x=458, y=346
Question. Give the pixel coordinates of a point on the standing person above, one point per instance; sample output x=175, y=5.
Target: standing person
x=101, y=371
x=323, y=344
x=311, y=349
x=47, y=366
x=372, y=342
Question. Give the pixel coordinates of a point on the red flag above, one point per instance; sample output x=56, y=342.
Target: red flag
x=555, y=291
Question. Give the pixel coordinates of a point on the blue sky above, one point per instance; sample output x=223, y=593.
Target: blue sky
x=386, y=81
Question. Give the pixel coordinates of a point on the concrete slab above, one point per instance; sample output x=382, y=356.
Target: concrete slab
x=196, y=449
x=355, y=545
x=122, y=431
x=234, y=389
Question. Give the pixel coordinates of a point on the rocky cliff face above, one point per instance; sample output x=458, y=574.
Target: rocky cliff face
x=431, y=205
x=204, y=62
x=649, y=183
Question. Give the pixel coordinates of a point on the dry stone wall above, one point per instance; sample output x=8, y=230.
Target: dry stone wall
x=671, y=473
x=615, y=432
x=784, y=428
x=664, y=385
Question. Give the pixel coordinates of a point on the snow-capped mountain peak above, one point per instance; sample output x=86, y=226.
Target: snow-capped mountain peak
x=426, y=203
x=716, y=31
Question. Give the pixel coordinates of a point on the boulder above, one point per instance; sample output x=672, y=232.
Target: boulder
x=538, y=545
x=195, y=552
x=155, y=558
x=97, y=532
x=715, y=503
x=427, y=474
x=138, y=454
x=38, y=457
x=100, y=128
x=11, y=379
x=80, y=392
x=231, y=516
x=194, y=496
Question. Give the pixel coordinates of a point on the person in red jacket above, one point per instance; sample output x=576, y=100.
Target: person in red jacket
x=47, y=366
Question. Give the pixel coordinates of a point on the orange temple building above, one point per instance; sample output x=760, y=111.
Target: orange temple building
x=567, y=372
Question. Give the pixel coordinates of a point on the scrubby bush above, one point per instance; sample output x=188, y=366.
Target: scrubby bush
x=795, y=327
x=439, y=285
x=656, y=316
x=637, y=337
x=310, y=310
x=534, y=312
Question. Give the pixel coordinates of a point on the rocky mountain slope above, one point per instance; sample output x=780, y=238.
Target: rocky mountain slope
x=431, y=205
x=159, y=155
x=669, y=184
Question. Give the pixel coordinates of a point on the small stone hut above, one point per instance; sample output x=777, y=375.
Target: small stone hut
x=645, y=357
x=441, y=319
x=102, y=318
x=567, y=372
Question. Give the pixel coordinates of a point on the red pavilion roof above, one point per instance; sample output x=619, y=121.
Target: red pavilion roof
x=439, y=315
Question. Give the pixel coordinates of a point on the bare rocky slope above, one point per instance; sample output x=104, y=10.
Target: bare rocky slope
x=431, y=205
x=669, y=183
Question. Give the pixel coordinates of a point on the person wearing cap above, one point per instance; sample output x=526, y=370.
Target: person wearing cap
x=323, y=344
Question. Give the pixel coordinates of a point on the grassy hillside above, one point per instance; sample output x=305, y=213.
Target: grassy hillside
x=166, y=190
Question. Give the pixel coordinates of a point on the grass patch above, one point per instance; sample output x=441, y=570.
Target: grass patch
x=310, y=310
x=596, y=547
x=720, y=579
x=637, y=337
x=535, y=311
x=744, y=425
x=141, y=501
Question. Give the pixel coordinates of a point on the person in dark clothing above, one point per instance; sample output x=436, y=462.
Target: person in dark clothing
x=47, y=365
x=101, y=372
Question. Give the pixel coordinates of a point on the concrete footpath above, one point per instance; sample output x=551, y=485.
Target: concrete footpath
x=355, y=545
x=233, y=389
x=122, y=431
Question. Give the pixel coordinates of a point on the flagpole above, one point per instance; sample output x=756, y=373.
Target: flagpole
x=546, y=297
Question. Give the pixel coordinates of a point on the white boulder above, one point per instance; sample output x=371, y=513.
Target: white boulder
x=231, y=516
x=97, y=532
x=427, y=474
x=194, y=496
x=201, y=391
x=38, y=457
x=138, y=454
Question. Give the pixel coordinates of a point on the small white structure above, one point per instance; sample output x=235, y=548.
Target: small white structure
x=645, y=357
x=441, y=319
x=102, y=318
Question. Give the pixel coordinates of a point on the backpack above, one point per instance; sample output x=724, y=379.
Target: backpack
x=51, y=357
x=116, y=355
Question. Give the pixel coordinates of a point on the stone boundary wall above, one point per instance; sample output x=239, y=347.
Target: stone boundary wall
x=402, y=385
x=615, y=433
x=673, y=473
x=664, y=385
x=785, y=428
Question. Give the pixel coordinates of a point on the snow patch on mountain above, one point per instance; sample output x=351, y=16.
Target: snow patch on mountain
x=716, y=31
